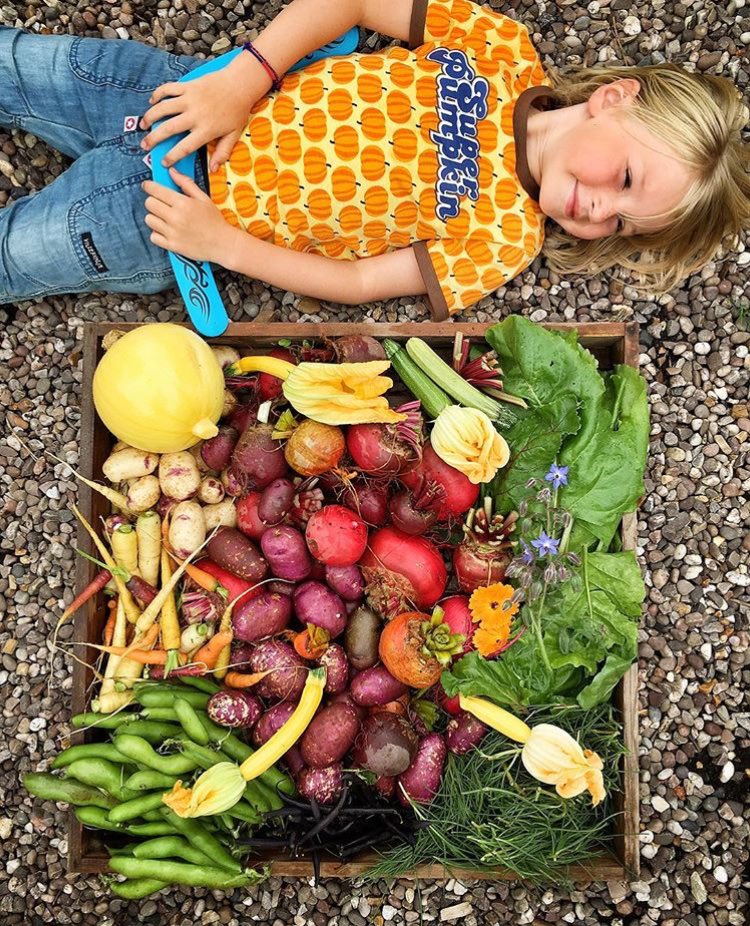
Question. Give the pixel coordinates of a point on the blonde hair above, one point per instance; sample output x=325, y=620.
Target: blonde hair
x=706, y=115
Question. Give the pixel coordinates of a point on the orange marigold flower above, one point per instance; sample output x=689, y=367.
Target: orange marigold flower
x=491, y=607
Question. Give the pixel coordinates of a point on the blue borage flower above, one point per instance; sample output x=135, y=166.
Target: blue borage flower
x=546, y=546
x=557, y=475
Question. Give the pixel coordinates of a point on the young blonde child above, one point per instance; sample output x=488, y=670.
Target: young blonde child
x=429, y=169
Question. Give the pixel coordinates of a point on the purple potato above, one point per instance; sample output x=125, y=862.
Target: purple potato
x=272, y=721
x=323, y=784
x=293, y=760
x=337, y=669
x=234, y=708
x=330, y=735
x=288, y=670
x=346, y=581
x=316, y=604
x=421, y=781
x=376, y=686
x=285, y=550
x=217, y=450
x=275, y=501
x=263, y=616
x=464, y=733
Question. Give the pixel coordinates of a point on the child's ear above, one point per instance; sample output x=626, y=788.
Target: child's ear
x=620, y=92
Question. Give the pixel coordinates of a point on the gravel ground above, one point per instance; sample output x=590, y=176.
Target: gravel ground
x=695, y=725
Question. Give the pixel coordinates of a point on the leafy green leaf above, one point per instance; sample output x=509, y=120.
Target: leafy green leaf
x=541, y=365
x=534, y=442
x=606, y=459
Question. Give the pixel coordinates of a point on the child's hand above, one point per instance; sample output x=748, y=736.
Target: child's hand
x=207, y=108
x=187, y=223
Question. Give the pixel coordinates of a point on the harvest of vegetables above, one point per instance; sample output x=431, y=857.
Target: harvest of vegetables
x=366, y=600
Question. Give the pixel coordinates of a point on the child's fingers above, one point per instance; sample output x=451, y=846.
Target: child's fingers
x=173, y=126
x=171, y=89
x=187, y=184
x=156, y=224
x=154, y=114
x=161, y=192
x=156, y=207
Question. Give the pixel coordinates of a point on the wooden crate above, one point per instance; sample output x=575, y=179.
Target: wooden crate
x=610, y=342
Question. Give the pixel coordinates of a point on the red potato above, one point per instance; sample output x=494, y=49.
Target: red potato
x=346, y=581
x=376, y=686
x=263, y=616
x=216, y=452
x=275, y=501
x=286, y=553
x=315, y=603
x=234, y=552
x=464, y=733
x=421, y=781
x=385, y=785
x=248, y=519
x=234, y=708
x=288, y=670
x=323, y=784
x=187, y=528
x=329, y=736
x=336, y=536
x=337, y=669
x=346, y=698
x=179, y=476
x=258, y=459
x=272, y=721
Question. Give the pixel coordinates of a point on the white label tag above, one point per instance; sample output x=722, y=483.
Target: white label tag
x=147, y=159
x=129, y=123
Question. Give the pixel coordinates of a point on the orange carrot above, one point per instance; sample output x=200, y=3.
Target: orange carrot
x=311, y=643
x=209, y=652
x=143, y=642
x=109, y=627
x=156, y=657
x=243, y=679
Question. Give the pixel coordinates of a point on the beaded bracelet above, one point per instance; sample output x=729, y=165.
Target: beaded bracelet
x=269, y=68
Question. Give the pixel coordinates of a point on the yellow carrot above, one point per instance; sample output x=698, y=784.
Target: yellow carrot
x=152, y=610
x=112, y=701
x=118, y=639
x=222, y=663
x=169, y=622
x=124, y=541
x=155, y=657
x=148, y=529
x=131, y=608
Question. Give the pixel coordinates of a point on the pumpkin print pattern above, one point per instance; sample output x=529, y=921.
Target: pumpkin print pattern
x=353, y=156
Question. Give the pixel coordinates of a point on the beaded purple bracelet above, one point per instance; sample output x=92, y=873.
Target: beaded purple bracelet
x=269, y=68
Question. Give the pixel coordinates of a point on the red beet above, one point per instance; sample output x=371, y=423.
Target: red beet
x=475, y=567
x=400, y=568
x=457, y=616
x=258, y=459
x=378, y=450
x=369, y=500
x=460, y=494
x=336, y=536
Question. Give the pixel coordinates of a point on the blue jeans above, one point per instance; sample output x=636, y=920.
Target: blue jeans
x=85, y=231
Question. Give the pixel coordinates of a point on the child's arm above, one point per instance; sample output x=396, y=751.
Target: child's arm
x=192, y=225
x=217, y=105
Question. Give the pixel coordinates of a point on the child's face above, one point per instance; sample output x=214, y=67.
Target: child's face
x=606, y=167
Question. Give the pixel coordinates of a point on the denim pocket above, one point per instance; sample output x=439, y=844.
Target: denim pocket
x=125, y=65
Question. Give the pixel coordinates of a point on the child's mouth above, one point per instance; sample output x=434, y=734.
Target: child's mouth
x=571, y=207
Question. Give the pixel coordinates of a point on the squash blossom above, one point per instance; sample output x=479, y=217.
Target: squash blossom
x=215, y=791
x=549, y=754
x=331, y=393
x=466, y=439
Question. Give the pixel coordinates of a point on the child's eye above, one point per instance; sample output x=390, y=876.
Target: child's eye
x=628, y=179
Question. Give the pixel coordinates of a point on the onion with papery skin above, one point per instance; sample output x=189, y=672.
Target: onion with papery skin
x=153, y=368
x=314, y=448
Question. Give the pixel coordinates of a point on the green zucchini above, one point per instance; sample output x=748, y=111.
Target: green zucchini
x=433, y=399
x=455, y=385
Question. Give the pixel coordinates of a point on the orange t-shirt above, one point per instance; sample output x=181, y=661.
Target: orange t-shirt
x=362, y=154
